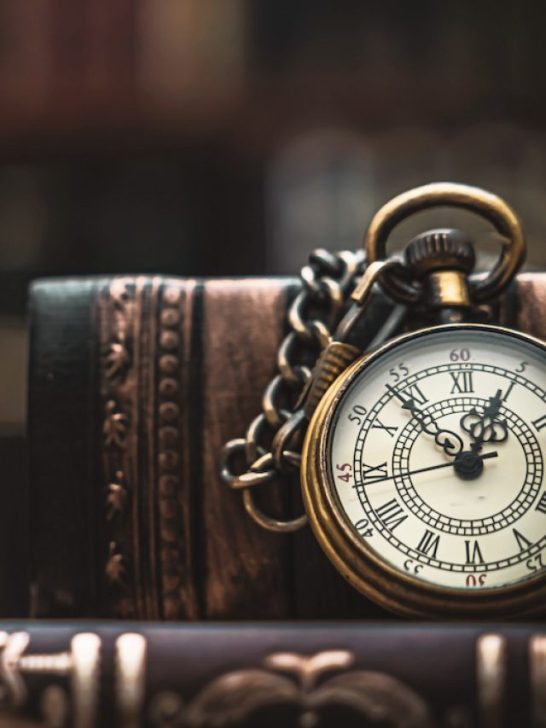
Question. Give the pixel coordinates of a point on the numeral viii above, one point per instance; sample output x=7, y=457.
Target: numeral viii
x=391, y=514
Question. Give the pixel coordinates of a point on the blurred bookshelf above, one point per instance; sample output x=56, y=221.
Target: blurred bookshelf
x=230, y=137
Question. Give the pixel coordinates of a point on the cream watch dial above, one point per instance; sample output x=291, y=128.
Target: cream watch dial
x=436, y=453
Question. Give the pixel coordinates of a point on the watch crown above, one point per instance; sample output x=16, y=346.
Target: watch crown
x=440, y=249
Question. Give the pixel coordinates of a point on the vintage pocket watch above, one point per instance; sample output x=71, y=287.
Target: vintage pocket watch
x=422, y=451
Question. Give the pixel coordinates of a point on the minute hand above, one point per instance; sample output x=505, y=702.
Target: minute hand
x=449, y=441
x=372, y=481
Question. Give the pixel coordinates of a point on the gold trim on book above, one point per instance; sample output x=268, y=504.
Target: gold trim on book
x=85, y=675
x=491, y=676
x=130, y=678
x=537, y=672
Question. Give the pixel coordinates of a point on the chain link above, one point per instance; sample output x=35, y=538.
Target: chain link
x=269, y=448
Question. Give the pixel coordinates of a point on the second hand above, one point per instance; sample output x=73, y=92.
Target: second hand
x=487, y=456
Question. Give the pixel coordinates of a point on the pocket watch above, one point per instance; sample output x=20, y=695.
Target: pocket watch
x=419, y=446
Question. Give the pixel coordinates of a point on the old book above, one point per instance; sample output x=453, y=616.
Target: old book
x=104, y=674
x=135, y=385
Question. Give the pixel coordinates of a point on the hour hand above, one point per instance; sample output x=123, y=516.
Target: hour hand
x=485, y=426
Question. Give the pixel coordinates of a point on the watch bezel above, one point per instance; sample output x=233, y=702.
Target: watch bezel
x=363, y=566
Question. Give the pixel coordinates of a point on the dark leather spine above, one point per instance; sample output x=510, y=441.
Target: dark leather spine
x=64, y=472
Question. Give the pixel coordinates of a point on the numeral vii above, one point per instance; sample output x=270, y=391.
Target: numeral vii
x=462, y=382
x=428, y=545
x=391, y=514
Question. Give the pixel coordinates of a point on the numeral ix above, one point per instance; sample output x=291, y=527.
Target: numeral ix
x=371, y=473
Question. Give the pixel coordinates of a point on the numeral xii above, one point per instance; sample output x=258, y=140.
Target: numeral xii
x=463, y=382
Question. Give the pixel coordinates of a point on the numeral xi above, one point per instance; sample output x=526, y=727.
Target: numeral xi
x=414, y=392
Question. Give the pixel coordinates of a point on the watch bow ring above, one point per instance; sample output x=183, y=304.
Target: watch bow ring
x=474, y=199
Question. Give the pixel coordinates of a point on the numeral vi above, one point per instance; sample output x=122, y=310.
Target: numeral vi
x=473, y=553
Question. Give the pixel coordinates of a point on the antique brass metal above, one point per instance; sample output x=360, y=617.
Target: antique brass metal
x=368, y=573
x=489, y=206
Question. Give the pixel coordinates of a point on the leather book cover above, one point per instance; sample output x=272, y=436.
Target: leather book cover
x=294, y=675
x=135, y=384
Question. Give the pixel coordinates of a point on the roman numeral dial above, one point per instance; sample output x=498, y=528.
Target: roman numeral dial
x=448, y=456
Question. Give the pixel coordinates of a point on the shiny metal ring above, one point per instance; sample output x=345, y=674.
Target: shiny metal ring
x=267, y=522
x=474, y=199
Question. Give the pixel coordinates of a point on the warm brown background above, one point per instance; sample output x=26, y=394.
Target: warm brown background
x=218, y=137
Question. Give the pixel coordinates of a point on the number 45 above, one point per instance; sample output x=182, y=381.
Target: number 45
x=346, y=472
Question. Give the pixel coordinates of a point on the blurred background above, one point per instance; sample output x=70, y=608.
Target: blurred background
x=230, y=137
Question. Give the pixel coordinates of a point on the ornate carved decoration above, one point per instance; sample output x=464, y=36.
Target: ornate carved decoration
x=176, y=584
x=143, y=323
x=117, y=310
x=240, y=697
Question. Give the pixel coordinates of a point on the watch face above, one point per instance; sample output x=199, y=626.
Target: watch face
x=435, y=455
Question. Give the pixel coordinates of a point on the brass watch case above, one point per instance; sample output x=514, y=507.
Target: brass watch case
x=363, y=567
